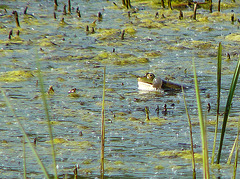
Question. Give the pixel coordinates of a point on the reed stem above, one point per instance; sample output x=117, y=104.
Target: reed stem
x=228, y=107
x=24, y=160
x=170, y=4
x=210, y=6
x=45, y=105
x=163, y=5
x=236, y=154
x=25, y=135
x=191, y=138
x=103, y=125
x=202, y=127
x=195, y=11
x=219, y=5
x=16, y=18
x=69, y=6
x=231, y=153
x=219, y=76
x=147, y=113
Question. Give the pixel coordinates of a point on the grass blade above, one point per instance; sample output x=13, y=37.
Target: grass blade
x=203, y=128
x=231, y=153
x=103, y=125
x=191, y=138
x=45, y=105
x=219, y=72
x=24, y=159
x=228, y=107
x=25, y=135
x=236, y=154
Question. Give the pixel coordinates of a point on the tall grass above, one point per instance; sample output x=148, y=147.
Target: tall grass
x=191, y=138
x=228, y=107
x=236, y=154
x=45, y=105
x=203, y=128
x=219, y=71
x=25, y=135
x=103, y=126
x=24, y=159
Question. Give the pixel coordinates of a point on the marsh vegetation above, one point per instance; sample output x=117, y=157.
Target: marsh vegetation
x=51, y=78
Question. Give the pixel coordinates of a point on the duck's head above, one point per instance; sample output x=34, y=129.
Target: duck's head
x=149, y=82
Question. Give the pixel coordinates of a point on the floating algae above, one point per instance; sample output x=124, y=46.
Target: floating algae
x=78, y=144
x=186, y=154
x=15, y=76
x=233, y=37
x=120, y=59
x=158, y=167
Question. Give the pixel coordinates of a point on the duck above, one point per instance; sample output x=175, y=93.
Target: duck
x=150, y=82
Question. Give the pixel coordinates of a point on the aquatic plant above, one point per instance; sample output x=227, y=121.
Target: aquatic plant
x=45, y=105
x=237, y=150
x=203, y=128
x=25, y=135
x=219, y=5
x=15, y=13
x=219, y=70
x=69, y=6
x=24, y=159
x=195, y=11
x=103, y=126
x=147, y=113
x=126, y=3
x=228, y=107
x=210, y=6
x=190, y=133
x=170, y=4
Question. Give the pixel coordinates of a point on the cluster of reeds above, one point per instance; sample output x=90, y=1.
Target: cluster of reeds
x=126, y=3
x=202, y=120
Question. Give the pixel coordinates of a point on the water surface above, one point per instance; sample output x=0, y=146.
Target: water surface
x=70, y=58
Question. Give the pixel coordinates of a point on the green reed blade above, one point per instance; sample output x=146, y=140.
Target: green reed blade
x=24, y=160
x=202, y=127
x=103, y=125
x=25, y=135
x=236, y=154
x=45, y=105
x=231, y=153
x=237, y=150
x=219, y=75
x=228, y=107
x=191, y=138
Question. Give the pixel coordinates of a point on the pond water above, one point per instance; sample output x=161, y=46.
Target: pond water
x=71, y=57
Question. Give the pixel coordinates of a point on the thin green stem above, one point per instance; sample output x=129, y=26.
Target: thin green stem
x=190, y=132
x=228, y=107
x=45, y=105
x=231, y=153
x=103, y=125
x=219, y=72
x=203, y=128
x=25, y=135
x=237, y=149
x=24, y=159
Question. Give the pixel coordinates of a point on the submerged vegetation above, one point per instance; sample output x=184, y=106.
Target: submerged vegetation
x=73, y=129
